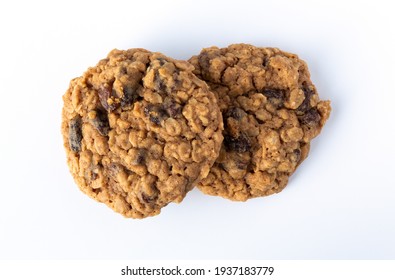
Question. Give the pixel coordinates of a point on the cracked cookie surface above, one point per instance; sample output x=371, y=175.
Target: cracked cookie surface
x=139, y=130
x=271, y=112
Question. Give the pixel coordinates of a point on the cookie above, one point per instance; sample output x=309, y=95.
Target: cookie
x=271, y=112
x=140, y=129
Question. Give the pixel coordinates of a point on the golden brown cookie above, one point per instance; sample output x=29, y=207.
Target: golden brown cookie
x=271, y=112
x=140, y=129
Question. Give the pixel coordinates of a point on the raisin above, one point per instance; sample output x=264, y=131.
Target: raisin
x=172, y=108
x=130, y=95
x=265, y=61
x=297, y=154
x=204, y=61
x=140, y=157
x=238, y=144
x=105, y=93
x=273, y=93
x=75, y=134
x=155, y=113
x=100, y=122
x=177, y=83
x=275, y=96
x=162, y=61
x=311, y=117
x=160, y=85
x=205, y=64
x=308, y=93
x=123, y=71
x=149, y=199
x=232, y=119
x=235, y=113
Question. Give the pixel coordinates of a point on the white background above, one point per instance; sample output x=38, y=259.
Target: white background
x=340, y=204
